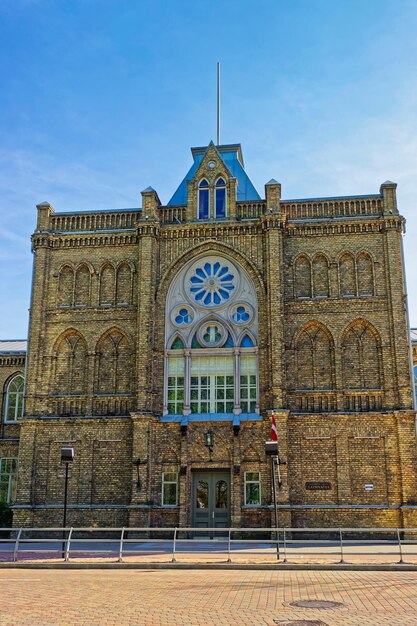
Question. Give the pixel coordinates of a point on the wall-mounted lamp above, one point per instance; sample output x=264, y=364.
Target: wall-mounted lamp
x=184, y=429
x=183, y=470
x=209, y=440
x=236, y=429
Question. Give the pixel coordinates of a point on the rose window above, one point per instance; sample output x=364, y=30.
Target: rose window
x=212, y=283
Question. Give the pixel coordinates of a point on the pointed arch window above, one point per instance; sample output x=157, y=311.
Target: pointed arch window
x=220, y=198
x=203, y=200
x=211, y=364
x=14, y=399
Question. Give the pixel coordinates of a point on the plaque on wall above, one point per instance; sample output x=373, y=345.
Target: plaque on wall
x=318, y=485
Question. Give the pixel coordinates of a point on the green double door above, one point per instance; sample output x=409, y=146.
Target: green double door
x=211, y=501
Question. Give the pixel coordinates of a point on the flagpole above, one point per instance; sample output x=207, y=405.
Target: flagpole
x=218, y=104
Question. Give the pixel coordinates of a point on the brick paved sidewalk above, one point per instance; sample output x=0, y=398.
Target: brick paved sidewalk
x=205, y=598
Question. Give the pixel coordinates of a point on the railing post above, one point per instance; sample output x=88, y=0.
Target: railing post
x=121, y=545
x=174, y=560
x=67, y=549
x=285, y=547
x=341, y=546
x=16, y=545
x=400, y=546
x=229, y=560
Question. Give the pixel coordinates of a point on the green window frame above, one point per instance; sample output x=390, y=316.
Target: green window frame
x=8, y=479
x=175, y=395
x=13, y=409
x=248, y=392
x=212, y=394
x=169, y=488
x=252, y=488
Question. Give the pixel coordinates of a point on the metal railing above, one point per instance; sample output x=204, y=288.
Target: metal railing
x=340, y=544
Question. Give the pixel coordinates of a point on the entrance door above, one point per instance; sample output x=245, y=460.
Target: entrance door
x=211, y=500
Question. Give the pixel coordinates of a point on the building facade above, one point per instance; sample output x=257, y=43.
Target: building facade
x=12, y=376
x=413, y=336
x=163, y=338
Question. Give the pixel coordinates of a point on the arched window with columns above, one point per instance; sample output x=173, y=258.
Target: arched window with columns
x=361, y=356
x=211, y=345
x=220, y=198
x=203, y=200
x=314, y=352
x=13, y=406
x=69, y=364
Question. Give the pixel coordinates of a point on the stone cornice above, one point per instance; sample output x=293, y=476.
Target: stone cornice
x=71, y=240
x=313, y=228
x=210, y=230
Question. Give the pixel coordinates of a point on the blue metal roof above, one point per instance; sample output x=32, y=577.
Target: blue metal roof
x=232, y=158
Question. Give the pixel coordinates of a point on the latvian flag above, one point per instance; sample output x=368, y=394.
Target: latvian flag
x=274, y=430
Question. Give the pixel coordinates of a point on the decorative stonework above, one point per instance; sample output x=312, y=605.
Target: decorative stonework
x=211, y=283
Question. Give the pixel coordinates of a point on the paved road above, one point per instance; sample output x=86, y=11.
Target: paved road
x=204, y=598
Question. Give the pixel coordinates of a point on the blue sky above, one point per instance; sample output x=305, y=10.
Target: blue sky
x=101, y=98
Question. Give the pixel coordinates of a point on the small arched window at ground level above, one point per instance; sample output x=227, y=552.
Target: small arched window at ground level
x=203, y=200
x=220, y=198
x=14, y=399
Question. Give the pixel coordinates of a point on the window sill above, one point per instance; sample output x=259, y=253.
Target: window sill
x=211, y=417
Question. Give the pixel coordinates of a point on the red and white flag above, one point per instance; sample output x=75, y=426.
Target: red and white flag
x=274, y=430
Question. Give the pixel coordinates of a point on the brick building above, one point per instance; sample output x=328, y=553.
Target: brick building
x=413, y=334
x=156, y=327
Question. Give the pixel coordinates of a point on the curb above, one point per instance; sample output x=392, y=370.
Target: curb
x=389, y=567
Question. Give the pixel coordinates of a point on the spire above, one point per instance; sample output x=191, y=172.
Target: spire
x=218, y=104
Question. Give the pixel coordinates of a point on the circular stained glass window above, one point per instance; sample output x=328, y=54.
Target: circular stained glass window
x=212, y=283
x=182, y=316
x=241, y=313
x=212, y=334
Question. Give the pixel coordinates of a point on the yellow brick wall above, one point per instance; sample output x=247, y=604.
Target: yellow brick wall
x=333, y=362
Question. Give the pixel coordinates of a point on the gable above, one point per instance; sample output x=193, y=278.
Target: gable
x=231, y=156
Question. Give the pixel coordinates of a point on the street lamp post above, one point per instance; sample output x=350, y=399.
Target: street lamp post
x=271, y=449
x=67, y=457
